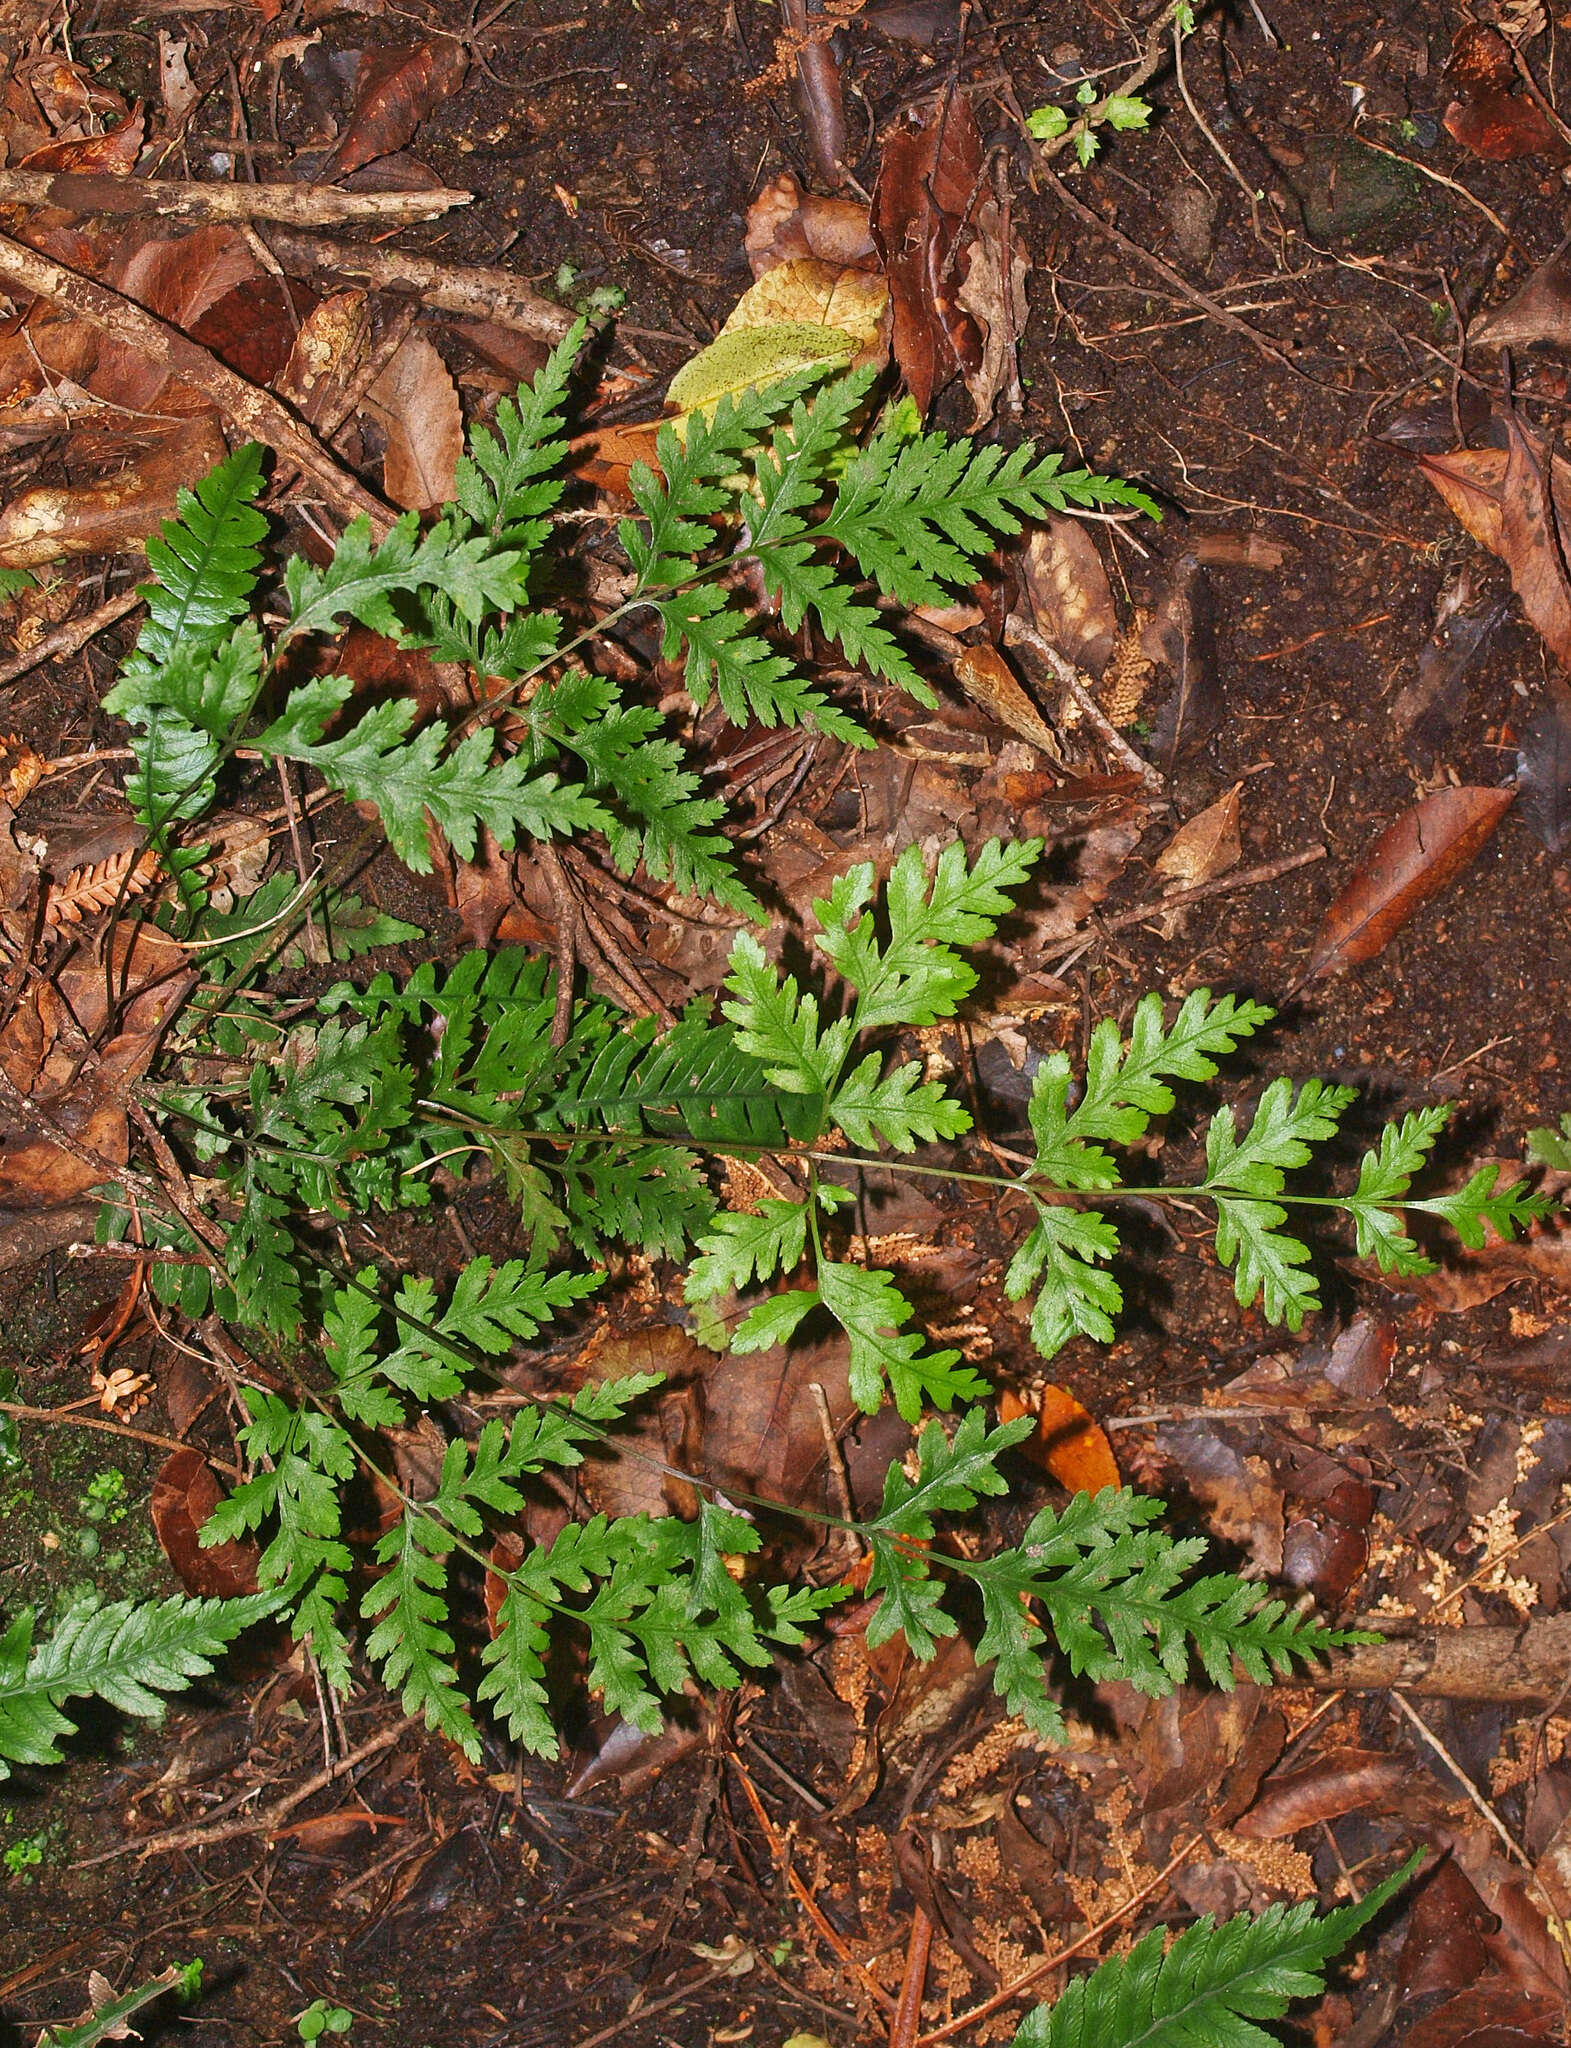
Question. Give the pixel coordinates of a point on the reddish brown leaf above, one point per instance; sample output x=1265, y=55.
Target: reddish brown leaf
x=927, y=183
x=185, y=1494
x=1072, y=1447
x=416, y=401
x=1492, y=2015
x=1500, y=126
x=506, y=1555
x=1499, y=496
x=1443, y=1950
x=254, y=327
x=1341, y=1781
x=112, y=154
x=1243, y=1503
x=1409, y=864
x=395, y=90
x=1489, y=116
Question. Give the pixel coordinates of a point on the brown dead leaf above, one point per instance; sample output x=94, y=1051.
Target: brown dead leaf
x=1489, y=116
x=63, y=1050
x=325, y=355
x=254, y=327
x=1242, y=1502
x=1068, y=592
x=1340, y=1781
x=1409, y=864
x=185, y=1494
x=1539, y=310
x=115, y=515
x=988, y=680
x=1073, y=1447
x=1499, y=495
x=1443, y=1950
x=784, y=223
x=395, y=90
x=86, y=891
x=993, y=292
x=927, y=184
x=416, y=401
x=1206, y=846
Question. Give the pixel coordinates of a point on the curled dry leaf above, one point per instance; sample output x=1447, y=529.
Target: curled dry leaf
x=1499, y=496
x=325, y=355
x=1341, y=1781
x=993, y=292
x=1072, y=1446
x=1409, y=864
x=185, y=1494
x=988, y=680
x=785, y=223
x=1207, y=846
x=395, y=90
x=416, y=401
x=928, y=181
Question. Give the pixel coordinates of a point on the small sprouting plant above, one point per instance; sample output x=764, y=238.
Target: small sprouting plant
x=321, y=2017
x=23, y=1856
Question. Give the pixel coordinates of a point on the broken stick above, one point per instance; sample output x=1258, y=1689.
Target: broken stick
x=301, y=206
x=254, y=411
x=472, y=289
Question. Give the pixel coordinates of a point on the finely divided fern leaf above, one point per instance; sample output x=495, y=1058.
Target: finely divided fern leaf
x=126, y=1654
x=1210, y=1987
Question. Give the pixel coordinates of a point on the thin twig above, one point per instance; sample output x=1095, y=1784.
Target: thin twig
x=1018, y=634
x=20, y=1412
x=908, y=2013
x=200, y=1837
x=1223, y=885
x=302, y=206
x=69, y=638
x=1217, y=145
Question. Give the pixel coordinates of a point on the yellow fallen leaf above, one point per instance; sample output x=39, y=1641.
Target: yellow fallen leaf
x=821, y=294
x=754, y=355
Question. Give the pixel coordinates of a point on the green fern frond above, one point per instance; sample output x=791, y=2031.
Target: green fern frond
x=127, y=1654
x=1212, y=1984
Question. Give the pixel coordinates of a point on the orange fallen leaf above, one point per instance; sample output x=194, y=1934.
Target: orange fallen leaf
x=1073, y=1447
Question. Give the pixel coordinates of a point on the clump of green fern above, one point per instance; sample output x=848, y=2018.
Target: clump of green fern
x=608, y=1137
x=768, y=482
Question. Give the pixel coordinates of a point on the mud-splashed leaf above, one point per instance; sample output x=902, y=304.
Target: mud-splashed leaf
x=1341, y=1781
x=185, y=1494
x=927, y=183
x=1067, y=589
x=1072, y=1446
x=416, y=401
x=396, y=90
x=1409, y=864
x=1543, y=768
